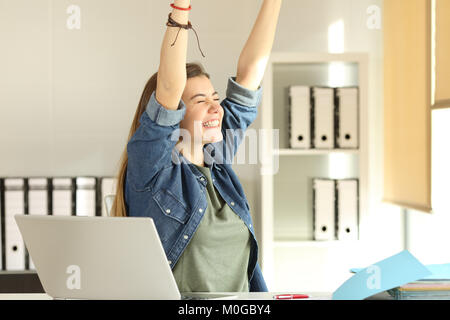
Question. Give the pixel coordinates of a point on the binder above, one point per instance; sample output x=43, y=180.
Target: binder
x=108, y=188
x=14, y=204
x=38, y=196
x=347, y=213
x=86, y=196
x=63, y=191
x=38, y=204
x=323, y=117
x=324, y=209
x=347, y=116
x=2, y=224
x=299, y=117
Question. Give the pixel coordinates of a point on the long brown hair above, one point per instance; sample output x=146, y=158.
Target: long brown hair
x=119, y=208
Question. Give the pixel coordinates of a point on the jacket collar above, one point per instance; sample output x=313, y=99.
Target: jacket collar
x=210, y=153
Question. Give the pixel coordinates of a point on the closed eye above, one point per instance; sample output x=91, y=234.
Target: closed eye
x=204, y=101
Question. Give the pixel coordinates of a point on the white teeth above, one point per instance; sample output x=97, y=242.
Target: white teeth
x=213, y=123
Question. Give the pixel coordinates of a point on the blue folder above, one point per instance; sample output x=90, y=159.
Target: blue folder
x=439, y=272
x=384, y=275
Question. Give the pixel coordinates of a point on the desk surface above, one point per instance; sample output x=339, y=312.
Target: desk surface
x=240, y=296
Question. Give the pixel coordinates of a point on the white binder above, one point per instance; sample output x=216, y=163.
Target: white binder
x=347, y=209
x=109, y=187
x=62, y=196
x=2, y=215
x=37, y=202
x=86, y=196
x=324, y=209
x=347, y=113
x=323, y=113
x=14, y=204
x=300, y=117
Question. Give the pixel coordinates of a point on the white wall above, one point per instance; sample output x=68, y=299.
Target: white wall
x=67, y=97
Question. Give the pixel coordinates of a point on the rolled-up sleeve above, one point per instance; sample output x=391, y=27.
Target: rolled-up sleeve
x=241, y=95
x=163, y=116
x=150, y=148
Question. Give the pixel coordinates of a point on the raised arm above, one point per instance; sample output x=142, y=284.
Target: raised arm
x=253, y=59
x=172, y=67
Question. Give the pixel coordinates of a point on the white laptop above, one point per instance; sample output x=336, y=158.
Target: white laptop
x=101, y=258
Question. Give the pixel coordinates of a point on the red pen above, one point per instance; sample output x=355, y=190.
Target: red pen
x=290, y=296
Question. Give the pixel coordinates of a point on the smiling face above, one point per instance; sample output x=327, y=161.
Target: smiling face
x=203, y=118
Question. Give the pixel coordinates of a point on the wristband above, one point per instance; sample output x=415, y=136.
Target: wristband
x=184, y=9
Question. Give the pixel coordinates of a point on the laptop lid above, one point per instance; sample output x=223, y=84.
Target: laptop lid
x=98, y=257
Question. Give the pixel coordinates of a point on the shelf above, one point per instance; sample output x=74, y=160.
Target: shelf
x=300, y=152
x=313, y=244
x=287, y=193
x=17, y=272
x=26, y=281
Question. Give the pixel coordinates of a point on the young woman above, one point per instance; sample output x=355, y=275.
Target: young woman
x=177, y=169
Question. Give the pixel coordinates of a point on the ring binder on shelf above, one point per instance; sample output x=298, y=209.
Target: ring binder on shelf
x=323, y=117
x=37, y=204
x=14, y=204
x=347, y=209
x=62, y=194
x=300, y=117
x=346, y=100
x=86, y=200
x=2, y=225
x=324, y=209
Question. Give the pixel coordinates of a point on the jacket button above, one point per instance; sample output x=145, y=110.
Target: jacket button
x=201, y=210
x=167, y=210
x=170, y=262
x=232, y=203
x=202, y=179
x=185, y=237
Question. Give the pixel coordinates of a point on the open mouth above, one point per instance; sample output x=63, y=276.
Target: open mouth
x=211, y=124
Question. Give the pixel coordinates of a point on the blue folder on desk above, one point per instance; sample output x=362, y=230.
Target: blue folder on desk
x=384, y=275
x=438, y=272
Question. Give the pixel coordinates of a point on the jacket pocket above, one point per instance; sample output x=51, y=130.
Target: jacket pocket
x=171, y=206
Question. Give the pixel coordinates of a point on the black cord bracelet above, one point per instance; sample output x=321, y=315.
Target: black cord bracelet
x=173, y=23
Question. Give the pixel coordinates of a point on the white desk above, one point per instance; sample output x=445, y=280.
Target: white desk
x=240, y=295
x=25, y=296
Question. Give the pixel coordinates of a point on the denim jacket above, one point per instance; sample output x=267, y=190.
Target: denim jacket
x=162, y=184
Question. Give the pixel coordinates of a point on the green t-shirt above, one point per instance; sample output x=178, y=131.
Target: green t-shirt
x=216, y=258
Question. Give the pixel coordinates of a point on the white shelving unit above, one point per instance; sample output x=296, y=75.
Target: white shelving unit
x=286, y=174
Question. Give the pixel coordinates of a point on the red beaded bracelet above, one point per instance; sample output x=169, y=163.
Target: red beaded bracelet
x=184, y=9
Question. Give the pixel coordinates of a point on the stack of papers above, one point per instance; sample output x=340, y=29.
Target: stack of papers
x=402, y=276
x=422, y=290
x=433, y=287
